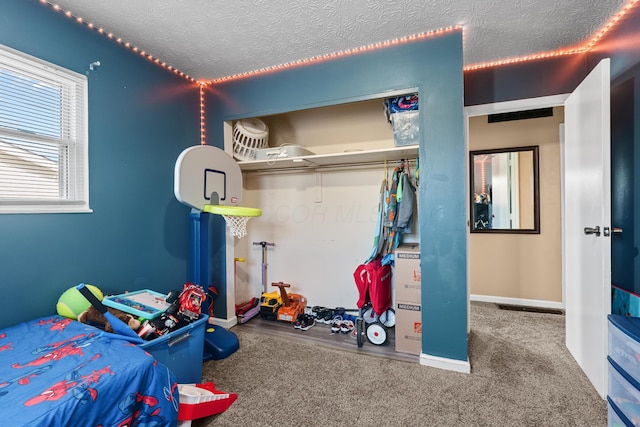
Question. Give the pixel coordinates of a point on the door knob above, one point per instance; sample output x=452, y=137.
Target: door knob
x=595, y=230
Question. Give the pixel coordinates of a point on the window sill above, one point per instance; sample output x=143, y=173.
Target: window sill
x=42, y=209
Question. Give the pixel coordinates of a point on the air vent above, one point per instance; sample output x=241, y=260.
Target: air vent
x=529, y=309
x=521, y=115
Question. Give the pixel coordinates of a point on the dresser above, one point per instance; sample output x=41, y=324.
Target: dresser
x=624, y=371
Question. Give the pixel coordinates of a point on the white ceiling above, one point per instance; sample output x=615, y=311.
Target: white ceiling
x=209, y=39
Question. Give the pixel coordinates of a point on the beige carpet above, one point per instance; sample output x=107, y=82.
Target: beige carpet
x=522, y=375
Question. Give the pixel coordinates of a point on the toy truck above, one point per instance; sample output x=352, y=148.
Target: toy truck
x=292, y=304
x=270, y=302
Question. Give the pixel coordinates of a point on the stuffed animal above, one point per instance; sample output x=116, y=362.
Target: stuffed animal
x=93, y=316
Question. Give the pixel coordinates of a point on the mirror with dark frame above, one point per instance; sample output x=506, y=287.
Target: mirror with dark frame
x=505, y=196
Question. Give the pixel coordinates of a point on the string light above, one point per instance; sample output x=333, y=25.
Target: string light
x=118, y=40
x=203, y=136
x=339, y=54
x=526, y=58
x=617, y=17
x=586, y=47
x=347, y=52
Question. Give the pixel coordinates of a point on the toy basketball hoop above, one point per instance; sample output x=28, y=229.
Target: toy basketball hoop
x=236, y=217
x=210, y=180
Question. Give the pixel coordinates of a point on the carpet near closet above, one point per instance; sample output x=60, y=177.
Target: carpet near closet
x=521, y=375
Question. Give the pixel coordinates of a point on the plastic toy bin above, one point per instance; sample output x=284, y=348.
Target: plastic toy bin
x=181, y=350
x=624, y=344
x=624, y=392
x=615, y=418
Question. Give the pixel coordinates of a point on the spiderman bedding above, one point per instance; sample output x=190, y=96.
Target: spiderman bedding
x=59, y=372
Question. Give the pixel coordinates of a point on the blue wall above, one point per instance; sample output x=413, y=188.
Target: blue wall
x=141, y=117
x=434, y=67
x=624, y=50
x=524, y=80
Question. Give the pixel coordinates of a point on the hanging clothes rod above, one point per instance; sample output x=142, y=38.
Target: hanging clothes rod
x=314, y=168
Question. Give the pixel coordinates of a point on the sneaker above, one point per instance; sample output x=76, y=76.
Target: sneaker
x=336, y=325
x=328, y=317
x=346, y=326
x=297, y=324
x=324, y=316
x=307, y=322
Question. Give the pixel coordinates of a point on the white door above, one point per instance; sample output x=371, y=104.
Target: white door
x=586, y=224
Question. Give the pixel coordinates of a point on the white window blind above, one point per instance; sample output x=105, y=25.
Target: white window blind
x=43, y=136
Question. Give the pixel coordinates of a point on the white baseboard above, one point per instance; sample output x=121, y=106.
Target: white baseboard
x=225, y=323
x=462, y=366
x=518, y=301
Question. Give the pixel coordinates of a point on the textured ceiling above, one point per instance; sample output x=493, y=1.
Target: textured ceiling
x=209, y=39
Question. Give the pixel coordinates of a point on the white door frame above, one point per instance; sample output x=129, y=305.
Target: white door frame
x=498, y=108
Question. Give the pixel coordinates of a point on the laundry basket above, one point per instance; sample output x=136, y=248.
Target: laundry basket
x=249, y=135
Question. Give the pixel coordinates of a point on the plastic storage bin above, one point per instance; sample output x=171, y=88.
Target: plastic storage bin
x=181, y=350
x=615, y=418
x=624, y=393
x=624, y=343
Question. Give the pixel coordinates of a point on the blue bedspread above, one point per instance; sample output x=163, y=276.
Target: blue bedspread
x=59, y=372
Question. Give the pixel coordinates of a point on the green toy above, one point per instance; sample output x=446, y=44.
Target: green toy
x=71, y=303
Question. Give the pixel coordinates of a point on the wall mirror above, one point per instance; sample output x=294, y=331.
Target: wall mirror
x=504, y=190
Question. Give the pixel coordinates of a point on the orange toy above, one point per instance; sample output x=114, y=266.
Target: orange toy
x=292, y=304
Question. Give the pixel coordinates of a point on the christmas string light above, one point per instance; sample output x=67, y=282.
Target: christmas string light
x=118, y=40
x=339, y=54
x=347, y=52
x=607, y=27
x=588, y=46
x=525, y=58
x=203, y=135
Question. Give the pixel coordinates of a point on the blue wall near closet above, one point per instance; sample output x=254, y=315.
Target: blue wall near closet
x=434, y=67
x=141, y=117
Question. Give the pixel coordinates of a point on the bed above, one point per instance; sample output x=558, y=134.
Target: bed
x=56, y=371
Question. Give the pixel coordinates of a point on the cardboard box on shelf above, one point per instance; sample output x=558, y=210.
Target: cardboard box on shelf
x=408, y=328
x=406, y=274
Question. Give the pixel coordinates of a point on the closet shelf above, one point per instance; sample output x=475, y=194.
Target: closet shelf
x=335, y=159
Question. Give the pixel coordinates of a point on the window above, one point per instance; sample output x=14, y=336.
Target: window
x=43, y=136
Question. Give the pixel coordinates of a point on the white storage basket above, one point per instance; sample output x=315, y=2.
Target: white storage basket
x=249, y=135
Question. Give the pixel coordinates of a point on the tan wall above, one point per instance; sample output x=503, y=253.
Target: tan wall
x=526, y=266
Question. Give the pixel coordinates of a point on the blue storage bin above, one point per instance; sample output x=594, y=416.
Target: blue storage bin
x=615, y=418
x=624, y=343
x=181, y=351
x=624, y=393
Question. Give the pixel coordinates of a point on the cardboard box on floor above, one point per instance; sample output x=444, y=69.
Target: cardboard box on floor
x=406, y=274
x=408, y=328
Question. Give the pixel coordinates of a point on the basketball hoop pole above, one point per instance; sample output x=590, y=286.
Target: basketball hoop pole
x=209, y=180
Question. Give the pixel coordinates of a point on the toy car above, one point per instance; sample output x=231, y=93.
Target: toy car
x=289, y=313
x=270, y=302
x=292, y=304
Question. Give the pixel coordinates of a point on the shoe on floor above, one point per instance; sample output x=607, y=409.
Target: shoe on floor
x=307, y=322
x=336, y=325
x=297, y=324
x=346, y=326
